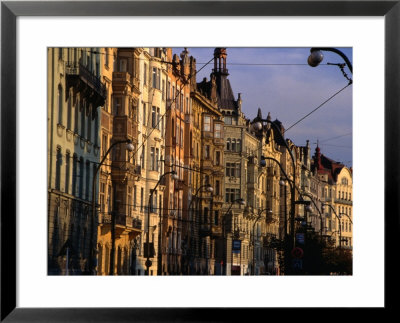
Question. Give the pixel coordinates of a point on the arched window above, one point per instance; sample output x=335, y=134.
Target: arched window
x=96, y=129
x=74, y=173
x=83, y=120
x=58, y=168
x=69, y=111
x=89, y=124
x=67, y=171
x=60, y=104
x=238, y=145
x=76, y=115
x=233, y=146
x=228, y=144
x=87, y=179
x=81, y=173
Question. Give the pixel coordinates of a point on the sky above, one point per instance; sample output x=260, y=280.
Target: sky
x=281, y=82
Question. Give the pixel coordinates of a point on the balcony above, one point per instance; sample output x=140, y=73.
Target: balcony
x=127, y=221
x=343, y=201
x=83, y=80
x=207, y=134
x=219, y=142
x=123, y=77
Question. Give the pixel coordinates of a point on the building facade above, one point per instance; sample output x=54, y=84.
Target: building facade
x=75, y=94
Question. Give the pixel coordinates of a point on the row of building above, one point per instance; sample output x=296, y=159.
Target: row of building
x=153, y=172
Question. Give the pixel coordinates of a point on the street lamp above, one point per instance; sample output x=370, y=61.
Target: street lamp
x=129, y=147
x=257, y=125
x=148, y=262
x=241, y=202
x=316, y=207
x=340, y=227
x=269, y=211
x=316, y=56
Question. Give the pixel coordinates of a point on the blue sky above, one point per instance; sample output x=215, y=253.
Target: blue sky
x=290, y=92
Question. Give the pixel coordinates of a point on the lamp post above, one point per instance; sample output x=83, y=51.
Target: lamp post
x=340, y=226
x=241, y=202
x=316, y=207
x=257, y=125
x=129, y=147
x=316, y=56
x=259, y=216
x=148, y=262
x=210, y=189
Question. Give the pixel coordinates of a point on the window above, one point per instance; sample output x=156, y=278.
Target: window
x=117, y=106
x=81, y=174
x=107, y=57
x=67, y=170
x=76, y=116
x=207, y=151
x=134, y=196
x=141, y=199
x=217, y=158
x=228, y=144
x=144, y=113
x=163, y=89
x=238, y=145
x=142, y=157
x=231, y=194
x=233, y=146
x=217, y=130
x=102, y=197
x=217, y=187
x=69, y=111
x=96, y=129
x=157, y=158
x=156, y=78
x=123, y=65
x=177, y=133
x=74, y=174
x=153, y=117
x=207, y=123
x=205, y=213
x=228, y=120
x=104, y=145
x=158, y=119
x=152, y=155
x=181, y=141
x=60, y=104
x=58, y=168
x=216, y=216
x=89, y=124
x=87, y=179
x=145, y=74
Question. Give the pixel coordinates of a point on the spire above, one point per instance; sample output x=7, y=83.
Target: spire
x=269, y=116
x=259, y=114
x=220, y=61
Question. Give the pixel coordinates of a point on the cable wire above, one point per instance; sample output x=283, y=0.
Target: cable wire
x=318, y=107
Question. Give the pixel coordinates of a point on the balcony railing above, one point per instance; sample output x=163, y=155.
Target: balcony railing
x=343, y=201
x=75, y=71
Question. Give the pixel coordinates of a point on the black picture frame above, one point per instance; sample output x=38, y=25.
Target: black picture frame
x=10, y=10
